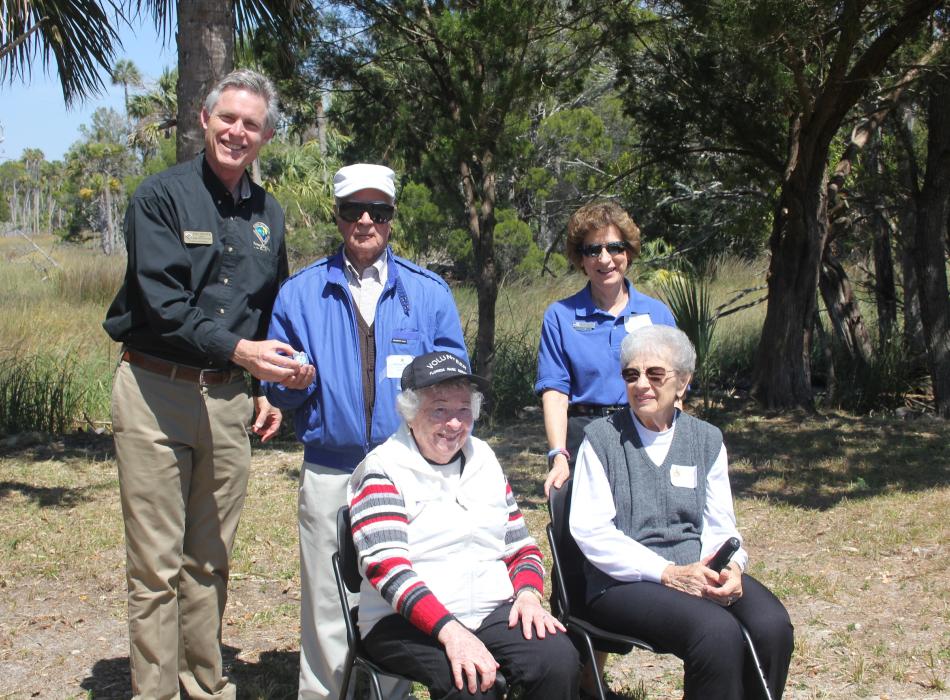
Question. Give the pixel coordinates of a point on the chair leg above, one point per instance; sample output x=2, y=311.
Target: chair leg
x=601, y=690
x=755, y=659
x=347, y=672
x=374, y=677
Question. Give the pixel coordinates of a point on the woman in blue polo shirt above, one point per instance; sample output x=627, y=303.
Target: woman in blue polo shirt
x=580, y=343
x=581, y=335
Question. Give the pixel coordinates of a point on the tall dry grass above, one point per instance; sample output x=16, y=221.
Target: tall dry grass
x=53, y=318
x=55, y=314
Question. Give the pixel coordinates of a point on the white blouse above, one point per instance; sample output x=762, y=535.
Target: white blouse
x=621, y=557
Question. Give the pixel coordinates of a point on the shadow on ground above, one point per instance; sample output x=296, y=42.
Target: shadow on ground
x=273, y=676
x=109, y=679
x=803, y=459
x=40, y=447
x=45, y=496
x=816, y=462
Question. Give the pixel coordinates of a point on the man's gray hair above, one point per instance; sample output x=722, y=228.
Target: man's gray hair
x=252, y=81
x=663, y=341
x=408, y=401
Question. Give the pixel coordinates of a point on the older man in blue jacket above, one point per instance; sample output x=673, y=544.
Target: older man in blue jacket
x=360, y=316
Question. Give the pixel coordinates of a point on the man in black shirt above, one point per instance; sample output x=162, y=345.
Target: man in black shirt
x=206, y=256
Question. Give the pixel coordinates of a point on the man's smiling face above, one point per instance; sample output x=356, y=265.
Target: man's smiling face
x=235, y=130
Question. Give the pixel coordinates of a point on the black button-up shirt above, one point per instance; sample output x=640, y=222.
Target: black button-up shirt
x=203, y=270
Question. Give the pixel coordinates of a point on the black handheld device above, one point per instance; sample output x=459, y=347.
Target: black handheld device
x=722, y=557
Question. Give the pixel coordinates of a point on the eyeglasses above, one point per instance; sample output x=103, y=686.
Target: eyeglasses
x=654, y=375
x=379, y=212
x=593, y=250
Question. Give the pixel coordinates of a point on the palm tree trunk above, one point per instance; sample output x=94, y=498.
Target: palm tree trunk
x=205, y=40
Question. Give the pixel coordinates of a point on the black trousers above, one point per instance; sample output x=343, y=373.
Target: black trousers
x=575, y=435
x=705, y=635
x=545, y=669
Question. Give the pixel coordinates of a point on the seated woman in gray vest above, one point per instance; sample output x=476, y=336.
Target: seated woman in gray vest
x=651, y=506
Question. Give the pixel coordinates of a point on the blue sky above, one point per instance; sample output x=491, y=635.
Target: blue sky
x=35, y=116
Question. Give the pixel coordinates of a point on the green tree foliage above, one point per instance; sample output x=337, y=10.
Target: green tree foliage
x=4, y=205
x=30, y=191
x=451, y=88
x=126, y=74
x=519, y=257
x=99, y=171
x=81, y=36
x=420, y=230
x=770, y=85
x=155, y=114
x=301, y=178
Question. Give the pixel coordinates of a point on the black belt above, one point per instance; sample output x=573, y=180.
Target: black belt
x=594, y=409
x=187, y=373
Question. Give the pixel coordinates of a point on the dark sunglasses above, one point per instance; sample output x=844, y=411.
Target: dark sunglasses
x=593, y=250
x=654, y=375
x=379, y=212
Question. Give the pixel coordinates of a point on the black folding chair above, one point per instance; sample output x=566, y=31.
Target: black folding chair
x=348, y=578
x=567, y=581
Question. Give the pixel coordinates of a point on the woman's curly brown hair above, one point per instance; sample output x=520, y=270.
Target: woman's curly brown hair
x=595, y=216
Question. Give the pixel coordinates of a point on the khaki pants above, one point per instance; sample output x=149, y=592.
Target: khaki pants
x=183, y=456
x=322, y=629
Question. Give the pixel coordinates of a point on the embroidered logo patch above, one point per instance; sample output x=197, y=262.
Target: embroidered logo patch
x=262, y=231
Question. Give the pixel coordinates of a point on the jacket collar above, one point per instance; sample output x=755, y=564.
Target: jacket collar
x=336, y=275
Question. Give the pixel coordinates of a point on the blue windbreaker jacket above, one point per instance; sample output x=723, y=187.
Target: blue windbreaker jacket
x=314, y=312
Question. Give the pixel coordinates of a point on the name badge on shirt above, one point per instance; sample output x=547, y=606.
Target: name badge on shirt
x=684, y=477
x=395, y=364
x=197, y=237
x=584, y=326
x=637, y=321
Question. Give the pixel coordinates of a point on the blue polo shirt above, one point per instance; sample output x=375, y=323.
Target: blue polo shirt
x=579, y=353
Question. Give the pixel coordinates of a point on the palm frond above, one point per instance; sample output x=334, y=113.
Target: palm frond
x=285, y=17
x=77, y=34
x=689, y=300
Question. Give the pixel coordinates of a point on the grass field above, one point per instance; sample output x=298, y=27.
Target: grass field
x=845, y=516
x=845, y=519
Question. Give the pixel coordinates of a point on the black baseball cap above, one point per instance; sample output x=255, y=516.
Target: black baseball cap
x=435, y=367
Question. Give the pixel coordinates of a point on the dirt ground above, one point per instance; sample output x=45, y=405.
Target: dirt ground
x=865, y=581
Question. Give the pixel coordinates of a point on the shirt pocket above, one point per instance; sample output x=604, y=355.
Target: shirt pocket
x=405, y=340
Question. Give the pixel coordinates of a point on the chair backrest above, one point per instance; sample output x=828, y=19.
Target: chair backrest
x=567, y=556
x=349, y=566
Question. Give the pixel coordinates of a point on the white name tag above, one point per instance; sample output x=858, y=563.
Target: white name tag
x=637, y=321
x=197, y=237
x=395, y=364
x=684, y=477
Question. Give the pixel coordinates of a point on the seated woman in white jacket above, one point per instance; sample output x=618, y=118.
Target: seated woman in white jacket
x=452, y=581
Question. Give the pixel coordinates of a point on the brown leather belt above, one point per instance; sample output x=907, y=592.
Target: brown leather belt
x=186, y=373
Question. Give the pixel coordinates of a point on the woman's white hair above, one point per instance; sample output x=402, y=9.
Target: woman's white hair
x=408, y=401
x=663, y=341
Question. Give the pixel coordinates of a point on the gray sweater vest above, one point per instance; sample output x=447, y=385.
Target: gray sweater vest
x=666, y=518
